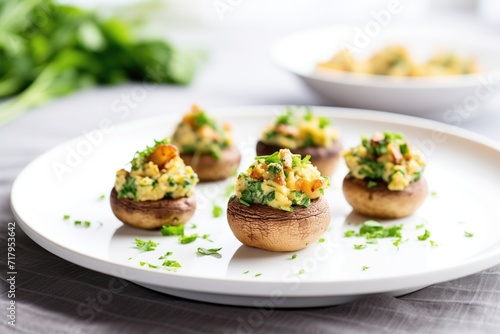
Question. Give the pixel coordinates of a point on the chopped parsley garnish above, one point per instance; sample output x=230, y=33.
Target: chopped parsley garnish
x=102, y=197
x=323, y=122
x=187, y=239
x=419, y=226
x=372, y=230
x=424, y=236
x=163, y=257
x=194, y=226
x=468, y=234
x=246, y=272
x=360, y=246
x=244, y=202
x=433, y=193
x=349, y=233
x=85, y=224
x=364, y=268
x=433, y=243
x=206, y=237
x=294, y=256
x=371, y=184
x=301, y=271
x=321, y=240
x=142, y=263
x=209, y=251
x=129, y=189
x=397, y=242
x=257, y=275
x=168, y=230
x=217, y=211
x=171, y=264
x=145, y=246
x=66, y=217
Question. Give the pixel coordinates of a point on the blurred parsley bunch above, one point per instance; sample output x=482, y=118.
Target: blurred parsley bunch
x=49, y=50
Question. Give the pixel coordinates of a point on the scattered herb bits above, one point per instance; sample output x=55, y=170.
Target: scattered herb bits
x=468, y=234
x=145, y=246
x=209, y=251
x=360, y=246
x=66, y=217
x=187, y=239
x=294, y=256
x=424, y=236
x=217, y=211
x=365, y=268
x=169, y=230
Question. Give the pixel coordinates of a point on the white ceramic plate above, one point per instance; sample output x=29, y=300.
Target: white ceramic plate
x=463, y=171
x=431, y=97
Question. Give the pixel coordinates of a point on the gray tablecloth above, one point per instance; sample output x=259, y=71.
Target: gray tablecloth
x=55, y=296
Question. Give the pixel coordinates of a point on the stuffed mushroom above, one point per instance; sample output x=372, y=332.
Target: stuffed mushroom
x=385, y=177
x=206, y=146
x=279, y=203
x=304, y=134
x=158, y=190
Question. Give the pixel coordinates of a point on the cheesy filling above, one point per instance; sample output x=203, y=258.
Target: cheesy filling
x=281, y=180
x=156, y=173
x=395, y=60
x=198, y=133
x=293, y=130
x=388, y=157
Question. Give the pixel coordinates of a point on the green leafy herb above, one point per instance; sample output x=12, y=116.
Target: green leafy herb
x=129, y=189
x=433, y=193
x=321, y=240
x=187, y=239
x=168, y=230
x=142, y=263
x=397, y=242
x=301, y=271
x=323, y=122
x=51, y=49
x=360, y=246
x=78, y=222
x=145, y=246
x=171, y=264
x=102, y=197
x=433, y=243
x=66, y=217
x=364, y=268
x=419, y=226
x=244, y=202
x=468, y=234
x=371, y=184
x=86, y=224
x=294, y=256
x=217, y=211
x=349, y=233
x=246, y=272
x=424, y=236
x=209, y=251
x=163, y=257
x=206, y=237
x=257, y=275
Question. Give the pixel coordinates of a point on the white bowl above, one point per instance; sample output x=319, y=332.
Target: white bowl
x=444, y=98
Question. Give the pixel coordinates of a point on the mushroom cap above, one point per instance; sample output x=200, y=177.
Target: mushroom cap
x=272, y=229
x=209, y=168
x=380, y=202
x=151, y=215
x=325, y=159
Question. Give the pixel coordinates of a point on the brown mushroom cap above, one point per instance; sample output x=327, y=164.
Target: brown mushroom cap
x=380, y=202
x=324, y=158
x=151, y=215
x=209, y=168
x=271, y=229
